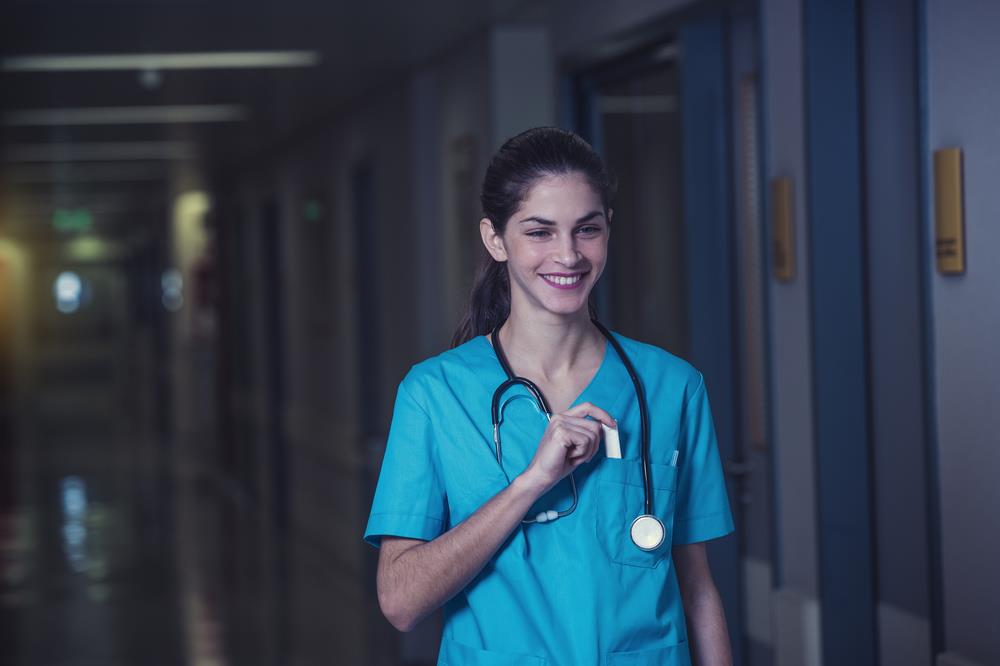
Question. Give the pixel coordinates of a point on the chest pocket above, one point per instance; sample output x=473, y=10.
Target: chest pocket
x=620, y=500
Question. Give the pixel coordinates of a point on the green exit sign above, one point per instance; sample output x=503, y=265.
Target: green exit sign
x=68, y=220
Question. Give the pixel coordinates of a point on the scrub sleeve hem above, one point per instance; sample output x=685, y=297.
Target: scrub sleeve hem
x=410, y=526
x=702, y=528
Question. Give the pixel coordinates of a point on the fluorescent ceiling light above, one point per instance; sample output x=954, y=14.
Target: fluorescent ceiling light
x=94, y=173
x=125, y=115
x=99, y=152
x=132, y=61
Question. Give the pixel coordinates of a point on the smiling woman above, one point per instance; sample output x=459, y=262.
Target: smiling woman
x=563, y=239
x=527, y=175
x=526, y=545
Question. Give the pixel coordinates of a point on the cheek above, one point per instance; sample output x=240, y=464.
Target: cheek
x=525, y=256
x=600, y=262
x=597, y=252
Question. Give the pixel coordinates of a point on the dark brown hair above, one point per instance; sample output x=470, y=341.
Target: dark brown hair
x=519, y=164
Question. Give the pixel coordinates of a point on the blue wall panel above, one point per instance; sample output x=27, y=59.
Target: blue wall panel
x=837, y=256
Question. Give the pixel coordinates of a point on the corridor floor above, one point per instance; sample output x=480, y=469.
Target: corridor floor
x=107, y=560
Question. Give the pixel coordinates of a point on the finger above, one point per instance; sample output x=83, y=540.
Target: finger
x=593, y=448
x=575, y=434
x=577, y=441
x=591, y=425
x=589, y=452
x=593, y=411
x=575, y=423
x=595, y=428
x=592, y=429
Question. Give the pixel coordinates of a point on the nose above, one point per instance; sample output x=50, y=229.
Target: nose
x=566, y=253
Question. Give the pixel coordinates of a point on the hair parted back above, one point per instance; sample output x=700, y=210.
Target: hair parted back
x=516, y=167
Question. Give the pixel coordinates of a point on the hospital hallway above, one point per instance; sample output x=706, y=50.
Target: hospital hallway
x=229, y=231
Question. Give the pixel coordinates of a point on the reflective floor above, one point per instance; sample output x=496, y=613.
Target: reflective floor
x=112, y=556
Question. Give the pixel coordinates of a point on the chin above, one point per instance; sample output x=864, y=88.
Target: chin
x=566, y=309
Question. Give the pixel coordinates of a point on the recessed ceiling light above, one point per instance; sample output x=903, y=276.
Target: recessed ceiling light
x=125, y=115
x=152, y=61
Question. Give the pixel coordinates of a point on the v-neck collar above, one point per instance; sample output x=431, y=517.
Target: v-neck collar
x=594, y=385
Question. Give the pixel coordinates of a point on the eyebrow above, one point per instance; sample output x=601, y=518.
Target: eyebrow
x=541, y=220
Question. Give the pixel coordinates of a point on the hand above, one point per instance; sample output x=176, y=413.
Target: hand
x=569, y=441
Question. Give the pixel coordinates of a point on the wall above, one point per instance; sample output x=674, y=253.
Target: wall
x=192, y=331
x=330, y=466
x=962, y=99
x=897, y=368
x=15, y=350
x=796, y=610
x=523, y=81
x=450, y=103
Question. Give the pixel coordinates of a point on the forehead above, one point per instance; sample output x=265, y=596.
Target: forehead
x=564, y=195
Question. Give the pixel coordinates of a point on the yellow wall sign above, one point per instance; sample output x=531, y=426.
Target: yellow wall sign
x=949, y=230
x=782, y=229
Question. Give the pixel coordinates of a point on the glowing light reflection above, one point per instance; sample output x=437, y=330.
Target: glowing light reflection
x=68, y=289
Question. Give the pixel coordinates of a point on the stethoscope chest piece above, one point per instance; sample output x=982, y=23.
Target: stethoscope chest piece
x=647, y=532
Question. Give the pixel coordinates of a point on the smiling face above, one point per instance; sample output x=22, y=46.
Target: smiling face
x=555, y=245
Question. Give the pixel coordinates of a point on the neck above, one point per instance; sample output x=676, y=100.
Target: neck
x=549, y=345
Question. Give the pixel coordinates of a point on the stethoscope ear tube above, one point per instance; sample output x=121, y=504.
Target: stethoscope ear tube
x=495, y=409
x=513, y=381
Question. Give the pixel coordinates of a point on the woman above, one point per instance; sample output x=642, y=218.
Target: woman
x=529, y=547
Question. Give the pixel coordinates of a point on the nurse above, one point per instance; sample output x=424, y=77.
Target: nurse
x=449, y=513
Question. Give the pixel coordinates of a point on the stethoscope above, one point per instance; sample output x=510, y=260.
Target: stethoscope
x=647, y=530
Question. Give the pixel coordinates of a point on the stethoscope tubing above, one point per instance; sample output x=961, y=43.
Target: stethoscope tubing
x=643, y=414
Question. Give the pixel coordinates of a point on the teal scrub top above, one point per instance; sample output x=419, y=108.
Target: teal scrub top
x=576, y=590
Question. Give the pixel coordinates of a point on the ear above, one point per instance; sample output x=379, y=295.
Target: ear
x=492, y=240
x=611, y=214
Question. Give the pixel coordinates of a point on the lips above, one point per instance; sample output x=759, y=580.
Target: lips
x=563, y=280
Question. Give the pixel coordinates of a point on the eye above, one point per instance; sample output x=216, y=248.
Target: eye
x=537, y=233
x=589, y=229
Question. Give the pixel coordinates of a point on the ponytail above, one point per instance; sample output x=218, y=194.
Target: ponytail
x=489, y=301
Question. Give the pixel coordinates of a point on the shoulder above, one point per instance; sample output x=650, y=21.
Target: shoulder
x=452, y=367
x=661, y=369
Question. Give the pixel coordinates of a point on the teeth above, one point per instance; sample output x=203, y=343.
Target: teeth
x=562, y=280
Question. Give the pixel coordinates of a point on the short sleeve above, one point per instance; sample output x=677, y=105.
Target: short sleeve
x=409, y=497
x=702, y=510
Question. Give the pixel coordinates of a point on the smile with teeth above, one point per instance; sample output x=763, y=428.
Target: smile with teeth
x=563, y=280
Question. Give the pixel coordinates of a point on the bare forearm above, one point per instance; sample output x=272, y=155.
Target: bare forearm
x=422, y=578
x=707, y=631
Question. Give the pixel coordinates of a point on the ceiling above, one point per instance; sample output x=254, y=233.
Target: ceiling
x=119, y=170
